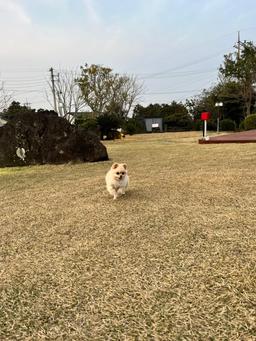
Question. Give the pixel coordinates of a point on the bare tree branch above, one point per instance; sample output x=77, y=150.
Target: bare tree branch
x=68, y=93
x=5, y=97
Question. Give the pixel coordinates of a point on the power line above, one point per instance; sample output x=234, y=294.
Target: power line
x=16, y=86
x=26, y=91
x=172, y=92
x=178, y=75
x=153, y=75
x=21, y=81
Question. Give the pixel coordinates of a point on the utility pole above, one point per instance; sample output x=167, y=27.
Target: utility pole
x=60, y=105
x=53, y=89
x=238, y=45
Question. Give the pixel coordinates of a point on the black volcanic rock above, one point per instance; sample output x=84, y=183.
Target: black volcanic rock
x=43, y=137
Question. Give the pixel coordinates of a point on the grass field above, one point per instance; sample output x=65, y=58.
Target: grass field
x=174, y=259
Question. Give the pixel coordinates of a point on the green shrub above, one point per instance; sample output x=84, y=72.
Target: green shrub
x=211, y=124
x=108, y=124
x=197, y=125
x=250, y=122
x=227, y=125
x=88, y=124
x=134, y=126
x=178, y=122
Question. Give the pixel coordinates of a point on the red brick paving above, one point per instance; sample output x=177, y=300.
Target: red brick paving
x=241, y=137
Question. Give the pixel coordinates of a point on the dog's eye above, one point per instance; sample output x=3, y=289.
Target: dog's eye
x=122, y=173
x=117, y=173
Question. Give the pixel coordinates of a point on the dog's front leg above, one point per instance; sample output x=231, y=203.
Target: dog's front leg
x=121, y=191
x=112, y=191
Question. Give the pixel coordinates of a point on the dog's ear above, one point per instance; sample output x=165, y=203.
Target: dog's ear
x=125, y=165
x=114, y=166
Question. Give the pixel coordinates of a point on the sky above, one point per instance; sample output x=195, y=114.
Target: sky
x=173, y=47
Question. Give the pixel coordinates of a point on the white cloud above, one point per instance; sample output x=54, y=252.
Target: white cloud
x=91, y=12
x=12, y=10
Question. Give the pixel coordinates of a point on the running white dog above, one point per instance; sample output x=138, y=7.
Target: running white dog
x=117, y=179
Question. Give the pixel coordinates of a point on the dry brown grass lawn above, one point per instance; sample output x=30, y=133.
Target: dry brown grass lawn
x=174, y=259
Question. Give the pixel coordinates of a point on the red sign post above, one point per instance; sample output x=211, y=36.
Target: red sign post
x=205, y=117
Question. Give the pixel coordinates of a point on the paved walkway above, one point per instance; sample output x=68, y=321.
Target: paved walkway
x=241, y=137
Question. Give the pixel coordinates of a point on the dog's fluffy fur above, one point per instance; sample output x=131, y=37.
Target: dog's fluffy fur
x=117, y=179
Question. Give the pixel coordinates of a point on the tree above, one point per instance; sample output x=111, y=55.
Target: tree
x=203, y=102
x=68, y=94
x=173, y=108
x=175, y=115
x=179, y=121
x=5, y=97
x=134, y=126
x=126, y=91
x=15, y=109
x=242, y=69
x=108, y=124
x=227, y=92
x=152, y=110
x=159, y=110
x=105, y=92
